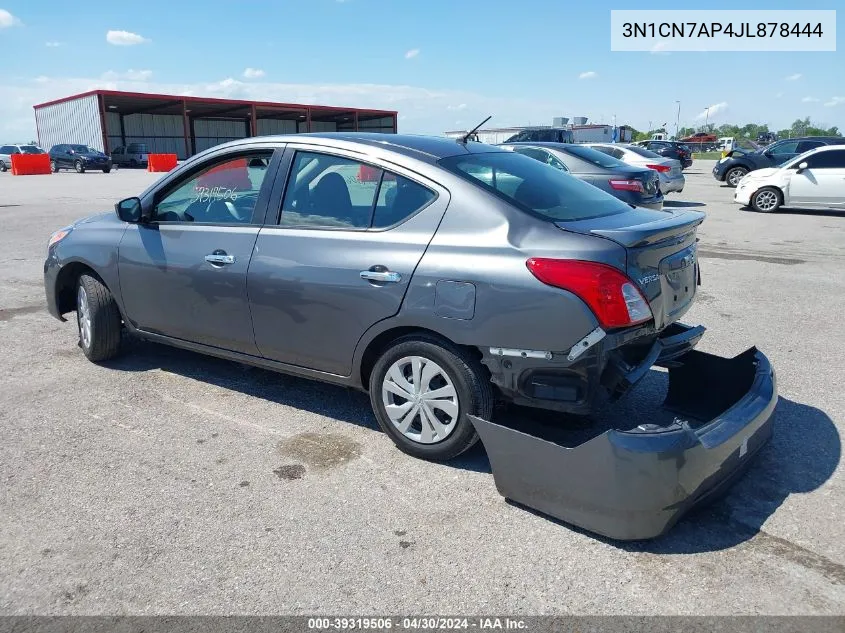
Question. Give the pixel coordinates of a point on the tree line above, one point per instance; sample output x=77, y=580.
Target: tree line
x=799, y=127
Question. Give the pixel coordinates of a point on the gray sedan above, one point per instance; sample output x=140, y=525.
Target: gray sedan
x=439, y=276
x=668, y=169
x=639, y=186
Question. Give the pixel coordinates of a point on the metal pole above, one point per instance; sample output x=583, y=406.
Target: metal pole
x=706, y=118
x=677, y=119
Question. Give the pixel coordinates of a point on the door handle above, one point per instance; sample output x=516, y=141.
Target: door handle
x=220, y=259
x=384, y=276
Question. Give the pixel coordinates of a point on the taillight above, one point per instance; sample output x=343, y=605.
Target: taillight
x=661, y=168
x=627, y=185
x=609, y=293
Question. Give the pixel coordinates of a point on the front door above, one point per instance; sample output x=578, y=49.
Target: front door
x=183, y=274
x=341, y=257
x=822, y=183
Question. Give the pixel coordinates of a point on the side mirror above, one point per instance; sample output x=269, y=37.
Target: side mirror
x=802, y=166
x=129, y=210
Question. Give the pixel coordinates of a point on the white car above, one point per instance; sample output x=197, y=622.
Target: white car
x=6, y=152
x=814, y=179
x=668, y=169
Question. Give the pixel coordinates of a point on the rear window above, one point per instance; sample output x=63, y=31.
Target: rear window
x=31, y=149
x=643, y=152
x=136, y=148
x=534, y=187
x=595, y=157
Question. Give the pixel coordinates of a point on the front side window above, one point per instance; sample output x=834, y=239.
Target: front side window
x=530, y=186
x=789, y=147
x=326, y=191
x=223, y=192
x=834, y=159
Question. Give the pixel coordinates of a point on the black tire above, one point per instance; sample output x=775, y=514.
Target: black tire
x=79, y=167
x=2, y=166
x=106, y=170
x=54, y=167
x=734, y=175
x=766, y=200
x=472, y=387
x=133, y=163
x=103, y=339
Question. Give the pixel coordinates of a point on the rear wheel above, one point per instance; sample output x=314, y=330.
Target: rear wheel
x=2, y=166
x=734, y=175
x=79, y=167
x=98, y=318
x=106, y=170
x=422, y=390
x=766, y=200
x=54, y=167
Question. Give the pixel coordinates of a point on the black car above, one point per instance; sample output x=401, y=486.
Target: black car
x=736, y=164
x=543, y=135
x=637, y=186
x=670, y=149
x=79, y=158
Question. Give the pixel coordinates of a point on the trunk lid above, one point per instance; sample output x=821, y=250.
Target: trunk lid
x=660, y=257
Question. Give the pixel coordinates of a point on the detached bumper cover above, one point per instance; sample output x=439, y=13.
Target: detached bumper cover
x=636, y=484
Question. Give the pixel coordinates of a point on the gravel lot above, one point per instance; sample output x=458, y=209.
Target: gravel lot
x=167, y=482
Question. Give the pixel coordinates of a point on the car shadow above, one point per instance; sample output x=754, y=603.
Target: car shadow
x=682, y=203
x=825, y=213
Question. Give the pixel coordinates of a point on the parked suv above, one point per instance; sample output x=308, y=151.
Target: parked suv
x=6, y=152
x=735, y=165
x=543, y=135
x=670, y=149
x=133, y=155
x=78, y=157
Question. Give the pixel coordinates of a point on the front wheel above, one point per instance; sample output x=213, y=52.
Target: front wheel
x=54, y=167
x=2, y=166
x=79, y=167
x=106, y=170
x=766, y=200
x=422, y=390
x=734, y=175
x=98, y=318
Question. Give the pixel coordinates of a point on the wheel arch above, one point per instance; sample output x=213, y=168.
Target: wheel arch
x=381, y=341
x=66, y=280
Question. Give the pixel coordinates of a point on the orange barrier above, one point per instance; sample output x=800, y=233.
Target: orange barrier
x=161, y=162
x=30, y=164
x=233, y=175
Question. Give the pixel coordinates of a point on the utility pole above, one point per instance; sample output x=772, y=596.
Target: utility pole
x=677, y=119
x=706, y=117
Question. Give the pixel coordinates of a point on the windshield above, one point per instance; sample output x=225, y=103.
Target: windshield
x=31, y=149
x=533, y=186
x=643, y=152
x=595, y=157
x=81, y=149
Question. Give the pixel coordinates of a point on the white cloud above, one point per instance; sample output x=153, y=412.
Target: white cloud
x=129, y=75
x=779, y=95
x=659, y=48
x=590, y=74
x=7, y=19
x=794, y=77
x=253, y=73
x=460, y=106
x=52, y=44
x=834, y=101
x=125, y=38
x=713, y=111
x=809, y=100
x=412, y=53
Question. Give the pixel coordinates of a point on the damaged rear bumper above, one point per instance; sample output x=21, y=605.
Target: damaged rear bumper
x=636, y=484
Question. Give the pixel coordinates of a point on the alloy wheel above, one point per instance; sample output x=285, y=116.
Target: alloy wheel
x=83, y=316
x=734, y=177
x=420, y=399
x=766, y=200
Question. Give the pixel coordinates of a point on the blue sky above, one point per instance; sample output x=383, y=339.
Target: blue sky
x=443, y=64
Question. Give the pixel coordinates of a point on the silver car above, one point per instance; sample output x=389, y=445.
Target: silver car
x=131, y=155
x=668, y=169
x=440, y=276
x=7, y=151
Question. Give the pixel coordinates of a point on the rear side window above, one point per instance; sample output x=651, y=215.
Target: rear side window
x=806, y=146
x=594, y=157
x=326, y=191
x=532, y=187
x=645, y=153
x=610, y=151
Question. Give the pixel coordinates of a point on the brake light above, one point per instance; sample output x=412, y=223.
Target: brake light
x=627, y=185
x=661, y=168
x=609, y=293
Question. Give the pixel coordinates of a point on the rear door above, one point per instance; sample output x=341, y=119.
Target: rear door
x=183, y=274
x=347, y=241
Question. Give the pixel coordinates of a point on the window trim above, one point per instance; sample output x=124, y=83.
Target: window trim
x=290, y=161
x=258, y=215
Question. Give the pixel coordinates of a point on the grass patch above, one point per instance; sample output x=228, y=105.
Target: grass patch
x=708, y=155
